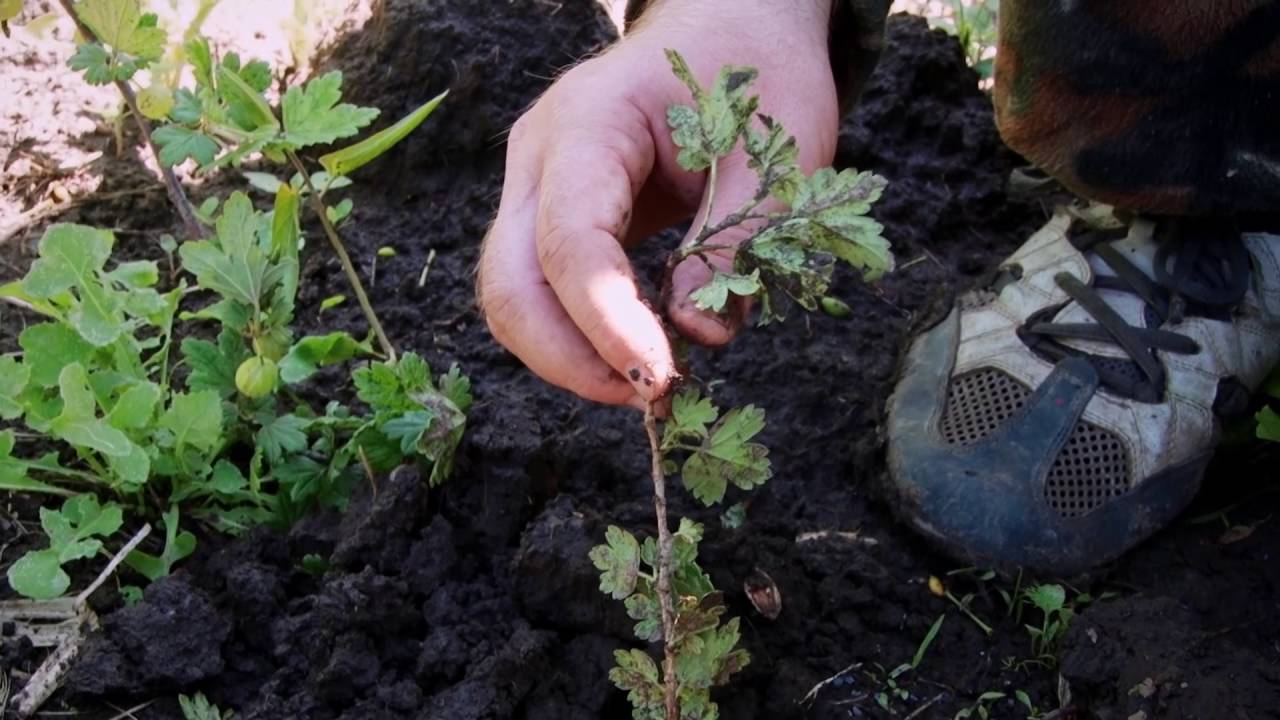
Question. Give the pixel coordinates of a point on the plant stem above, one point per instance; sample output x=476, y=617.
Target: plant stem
x=191, y=227
x=664, y=566
x=353, y=276
x=969, y=613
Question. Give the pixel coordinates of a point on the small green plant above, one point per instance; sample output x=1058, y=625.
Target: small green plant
x=789, y=259
x=1056, y=617
x=981, y=707
x=198, y=707
x=76, y=531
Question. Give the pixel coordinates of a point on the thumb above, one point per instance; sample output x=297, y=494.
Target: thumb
x=734, y=187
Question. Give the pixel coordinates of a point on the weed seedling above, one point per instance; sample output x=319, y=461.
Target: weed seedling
x=789, y=259
x=198, y=707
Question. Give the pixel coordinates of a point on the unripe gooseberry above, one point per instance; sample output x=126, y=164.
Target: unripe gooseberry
x=256, y=377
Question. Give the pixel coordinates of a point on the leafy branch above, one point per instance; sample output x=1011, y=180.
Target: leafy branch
x=135, y=42
x=789, y=256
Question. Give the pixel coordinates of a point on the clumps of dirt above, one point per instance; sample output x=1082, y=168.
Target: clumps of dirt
x=174, y=639
x=1155, y=658
x=493, y=61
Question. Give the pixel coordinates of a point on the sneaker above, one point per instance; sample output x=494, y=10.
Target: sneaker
x=1059, y=417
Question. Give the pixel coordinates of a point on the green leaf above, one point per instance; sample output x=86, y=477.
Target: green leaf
x=637, y=673
x=711, y=128
x=775, y=158
x=235, y=266
x=331, y=302
x=618, y=562
x=353, y=157
x=195, y=419
x=646, y=610
x=338, y=213
x=283, y=435
x=177, y=545
x=313, y=115
x=49, y=347
x=132, y=469
x=257, y=74
x=178, y=143
x=136, y=407
x=245, y=106
x=690, y=415
x=408, y=429
x=95, y=62
x=136, y=274
x=121, y=24
x=1049, y=598
x=78, y=424
x=379, y=386
x=316, y=351
x=39, y=575
x=71, y=532
x=226, y=479
x=14, y=377
x=728, y=457
x=266, y=182
x=830, y=211
x=286, y=236
x=714, y=295
x=927, y=641
x=213, y=367
x=715, y=661
x=456, y=387
x=187, y=108
x=71, y=259
x=787, y=270
x=229, y=313
x=89, y=518
x=1268, y=424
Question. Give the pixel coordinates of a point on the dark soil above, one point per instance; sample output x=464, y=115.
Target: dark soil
x=478, y=601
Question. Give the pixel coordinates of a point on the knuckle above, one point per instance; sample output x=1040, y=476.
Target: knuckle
x=555, y=249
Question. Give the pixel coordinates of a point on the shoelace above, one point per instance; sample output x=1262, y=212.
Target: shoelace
x=1209, y=276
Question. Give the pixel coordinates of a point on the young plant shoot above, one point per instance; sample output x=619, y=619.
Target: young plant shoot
x=789, y=258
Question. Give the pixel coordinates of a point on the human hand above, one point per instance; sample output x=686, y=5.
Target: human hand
x=591, y=169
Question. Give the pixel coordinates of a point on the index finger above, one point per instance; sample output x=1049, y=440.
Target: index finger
x=589, y=182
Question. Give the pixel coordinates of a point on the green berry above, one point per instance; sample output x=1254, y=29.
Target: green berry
x=256, y=377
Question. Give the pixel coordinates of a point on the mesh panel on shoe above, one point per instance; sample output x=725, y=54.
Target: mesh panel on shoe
x=978, y=402
x=1092, y=468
